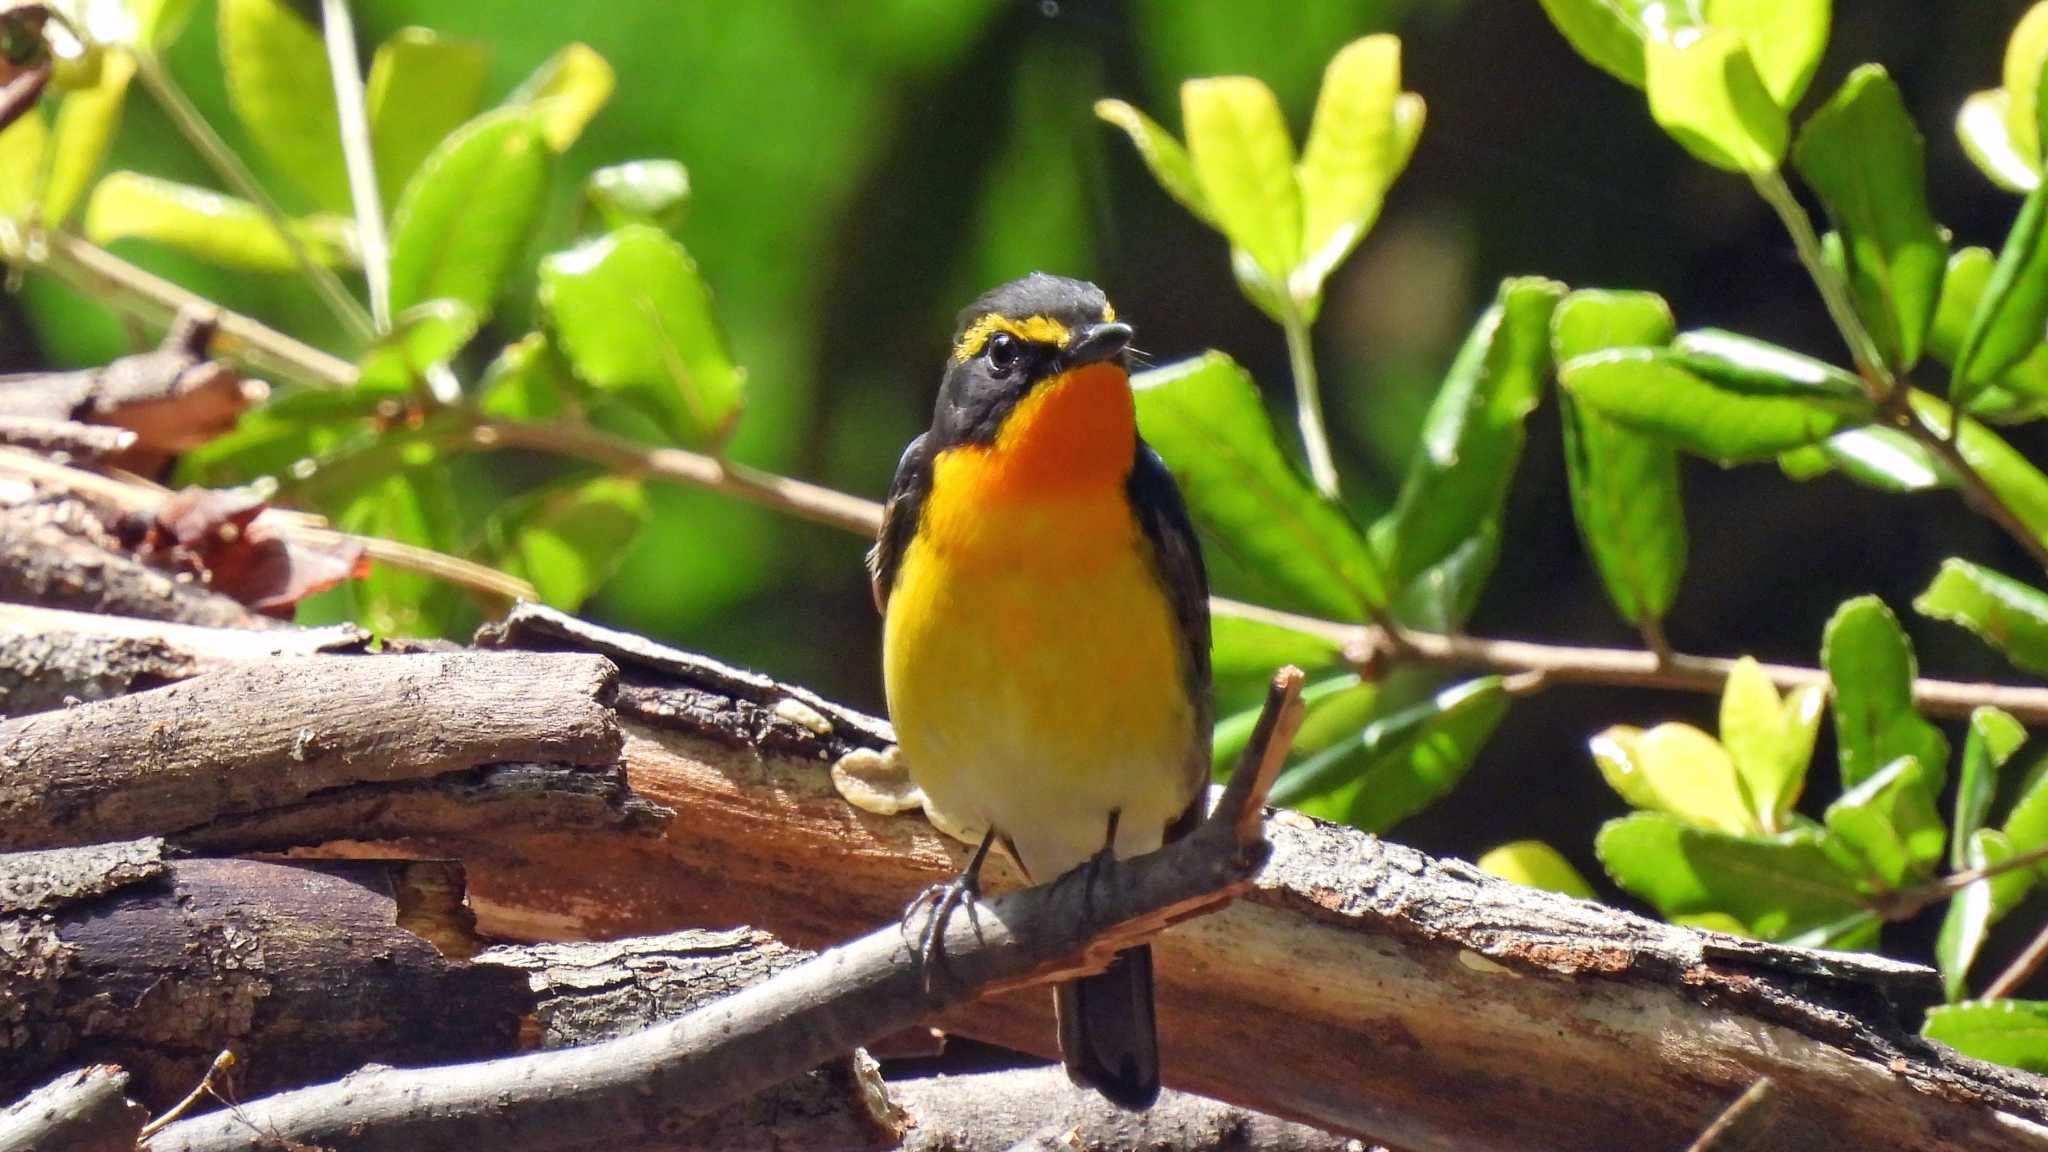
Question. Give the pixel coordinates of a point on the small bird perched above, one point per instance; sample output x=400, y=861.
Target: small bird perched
x=1046, y=629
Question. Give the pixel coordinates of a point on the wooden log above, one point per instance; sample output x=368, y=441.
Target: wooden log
x=86, y=1110
x=41, y=563
x=249, y=737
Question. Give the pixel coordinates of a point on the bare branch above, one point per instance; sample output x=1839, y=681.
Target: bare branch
x=82, y=1111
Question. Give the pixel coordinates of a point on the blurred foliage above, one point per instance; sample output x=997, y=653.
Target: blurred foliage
x=854, y=170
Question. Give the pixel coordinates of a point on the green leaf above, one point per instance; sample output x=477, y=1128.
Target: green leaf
x=87, y=120
x=1608, y=33
x=527, y=380
x=569, y=541
x=1962, y=287
x=2026, y=826
x=2009, y=319
x=467, y=214
x=422, y=87
x=1705, y=91
x=1246, y=652
x=1777, y=886
x=1785, y=39
x=634, y=318
x=1993, y=738
x=283, y=438
x=1972, y=911
x=217, y=228
x=567, y=90
x=1163, y=155
x=1770, y=740
x=1754, y=367
x=2025, y=52
x=1333, y=709
x=1983, y=127
x=1204, y=416
x=158, y=22
x=422, y=336
x=1870, y=663
x=1404, y=761
x=1729, y=418
x=1875, y=456
x=1891, y=822
x=1350, y=159
x=2017, y=483
x=1624, y=485
x=22, y=146
x=1443, y=596
x=1238, y=143
x=2005, y=613
x=1534, y=864
x=411, y=506
x=1678, y=769
x=1472, y=437
x=1864, y=158
x=644, y=191
x=278, y=83
x=2009, y=1032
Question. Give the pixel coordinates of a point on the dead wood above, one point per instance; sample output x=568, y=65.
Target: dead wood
x=86, y=1110
x=245, y=738
x=41, y=562
x=66, y=438
x=49, y=656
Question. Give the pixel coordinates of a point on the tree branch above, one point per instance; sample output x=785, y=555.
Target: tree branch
x=651, y=1081
x=82, y=1111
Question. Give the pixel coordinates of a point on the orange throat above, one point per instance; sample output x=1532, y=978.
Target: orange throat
x=1071, y=435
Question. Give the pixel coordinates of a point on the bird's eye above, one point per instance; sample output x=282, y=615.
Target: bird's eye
x=1003, y=352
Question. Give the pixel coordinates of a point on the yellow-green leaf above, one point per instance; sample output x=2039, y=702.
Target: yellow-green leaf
x=466, y=216
x=1351, y=157
x=1675, y=768
x=1163, y=155
x=1238, y=143
x=1534, y=864
x=1785, y=38
x=422, y=87
x=2025, y=52
x=278, y=83
x=568, y=89
x=1705, y=91
x=217, y=228
x=1983, y=125
x=86, y=122
x=1770, y=740
x=22, y=145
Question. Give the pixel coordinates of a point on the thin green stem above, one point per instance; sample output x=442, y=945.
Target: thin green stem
x=1308, y=402
x=193, y=126
x=340, y=34
x=1877, y=375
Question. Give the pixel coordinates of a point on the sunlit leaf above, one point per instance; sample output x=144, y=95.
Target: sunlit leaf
x=1624, y=485
x=422, y=87
x=86, y=122
x=527, y=380
x=217, y=228
x=2010, y=1032
x=1776, y=886
x=1678, y=769
x=634, y=318
x=1734, y=417
x=22, y=145
x=1238, y=143
x=567, y=542
x=1770, y=740
x=567, y=90
x=282, y=438
x=1473, y=435
x=1534, y=864
x=1870, y=662
x=1972, y=911
x=2005, y=613
x=424, y=335
x=644, y=191
x=1785, y=39
x=1163, y=155
x=1350, y=158
x=2019, y=485
x=2025, y=53
x=1205, y=418
x=1705, y=91
x=1609, y=33
x=1402, y=762
x=1244, y=652
x=1875, y=456
x=1333, y=709
x=158, y=22
x=1891, y=822
x=2014, y=308
x=277, y=80
x=467, y=215
x=1983, y=127
x=1861, y=153
x=1993, y=738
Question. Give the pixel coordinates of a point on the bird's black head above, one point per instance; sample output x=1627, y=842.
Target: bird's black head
x=1014, y=338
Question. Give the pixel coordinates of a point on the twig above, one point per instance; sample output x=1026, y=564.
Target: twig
x=651, y=1081
x=220, y=1065
x=340, y=34
x=2021, y=969
x=73, y=439
x=1308, y=402
x=1975, y=491
x=222, y=159
x=1907, y=903
x=1877, y=375
x=1743, y=1125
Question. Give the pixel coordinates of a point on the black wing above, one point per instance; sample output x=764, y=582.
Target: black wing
x=1156, y=501
x=899, y=518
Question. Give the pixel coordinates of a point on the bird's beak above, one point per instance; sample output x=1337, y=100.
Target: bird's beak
x=1095, y=343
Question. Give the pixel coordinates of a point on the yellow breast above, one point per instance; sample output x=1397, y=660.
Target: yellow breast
x=1032, y=658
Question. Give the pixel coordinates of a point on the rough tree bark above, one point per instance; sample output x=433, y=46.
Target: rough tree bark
x=1360, y=986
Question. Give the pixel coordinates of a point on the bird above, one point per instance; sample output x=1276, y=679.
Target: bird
x=1046, y=631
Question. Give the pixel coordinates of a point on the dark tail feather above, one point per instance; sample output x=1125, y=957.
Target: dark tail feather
x=1107, y=1036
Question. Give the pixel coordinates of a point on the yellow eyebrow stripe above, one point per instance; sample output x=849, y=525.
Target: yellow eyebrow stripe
x=1035, y=329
